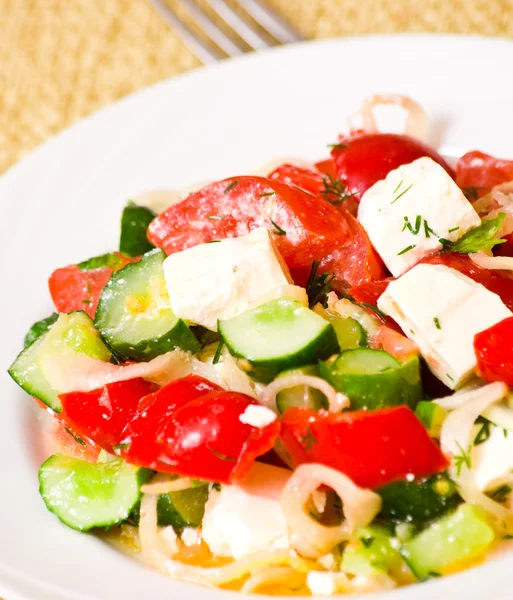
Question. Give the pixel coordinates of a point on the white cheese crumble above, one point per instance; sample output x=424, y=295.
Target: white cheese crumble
x=321, y=583
x=407, y=213
x=257, y=416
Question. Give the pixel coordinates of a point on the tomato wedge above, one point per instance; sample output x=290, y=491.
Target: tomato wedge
x=356, y=261
x=102, y=415
x=494, y=352
x=73, y=288
x=481, y=172
x=206, y=438
x=326, y=166
x=373, y=448
x=138, y=438
x=303, y=228
x=369, y=292
x=306, y=179
x=362, y=158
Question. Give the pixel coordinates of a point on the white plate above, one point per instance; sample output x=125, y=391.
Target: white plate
x=62, y=204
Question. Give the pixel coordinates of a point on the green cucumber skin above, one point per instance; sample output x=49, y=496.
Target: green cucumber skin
x=178, y=336
x=25, y=369
x=320, y=348
x=372, y=391
x=418, y=501
x=38, y=329
x=100, y=262
x=141, y=476
x=347, y=339
x=134, y=225
x=293, y=396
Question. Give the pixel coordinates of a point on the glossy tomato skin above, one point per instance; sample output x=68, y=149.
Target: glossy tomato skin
x=74, y=289
x=482, y=172
x=306, y=179
x=494, y=352
x=206, y=438
x=233, y=207
x=355, y=262
x=373, y=448
x=101, y=415
x=326, y=166
x=369, y=157
x=152, y=412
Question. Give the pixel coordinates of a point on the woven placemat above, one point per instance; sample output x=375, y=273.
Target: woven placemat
x=63, y=59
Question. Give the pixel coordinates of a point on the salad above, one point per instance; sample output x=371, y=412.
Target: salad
x=293, y=383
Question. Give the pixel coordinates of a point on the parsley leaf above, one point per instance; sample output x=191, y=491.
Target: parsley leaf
x=463, y=459
x=478, y=238
x=318, y=286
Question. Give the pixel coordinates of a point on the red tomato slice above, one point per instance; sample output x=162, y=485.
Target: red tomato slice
x=326, y=166
x=494, y=352
x=482, y=172
x=153, y=411
x=305, y=229
x=356, y=261
x=102, y=415
x=395, y=343
x=206, y=439
x=368, y=293
x=373, y=448
x=73, y=289
x=306, y=179
x=369, y=157
x=60, y=440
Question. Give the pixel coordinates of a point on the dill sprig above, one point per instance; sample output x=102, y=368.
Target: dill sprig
x=318, y=285
x=333, y=190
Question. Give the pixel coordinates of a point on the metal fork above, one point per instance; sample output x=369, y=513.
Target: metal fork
x=259, y=28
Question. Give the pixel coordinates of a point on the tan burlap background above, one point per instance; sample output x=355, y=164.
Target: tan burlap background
x=63, y=59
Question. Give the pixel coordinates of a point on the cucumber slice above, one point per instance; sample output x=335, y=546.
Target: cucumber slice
x=85, y=495
x=418, y=501
x=301, y=395
x=99, y=262
x=134, y=225
x=279, y=335
x=134, y=315
x=374, y=379
x=432, y=417
x=448, y=543
x=39, y=328
x=184, y=508
x=350, y=333
x=72, y=333
x=370, y=553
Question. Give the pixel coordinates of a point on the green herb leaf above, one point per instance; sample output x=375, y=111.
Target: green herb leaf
x=215, y=217
x=402, y=193
x=463, y=459
x=309, y=439
x=277, y=229
x=471, y=193
x=437, y=323
x=318, y=286
x=375, y=309
x=217, y=355
x=407, y=249
x=99, y=262
x=213, y=242
x=216, y=486
x=367, y=542
x=484, y=432
x=77, y=438
x=231, y=186
x=478, y=238
x=333, y=190
x=339, y=146
x=267, y=194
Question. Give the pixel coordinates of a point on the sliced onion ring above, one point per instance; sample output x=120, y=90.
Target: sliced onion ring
x=310, y=538
x=416, y=121
x=456, y=437
x=336, y=400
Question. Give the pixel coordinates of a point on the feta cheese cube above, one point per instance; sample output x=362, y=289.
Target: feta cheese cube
x=406, y=213
x=257, y=416
x=221, y=280
x=246, y=518
x=441, y=310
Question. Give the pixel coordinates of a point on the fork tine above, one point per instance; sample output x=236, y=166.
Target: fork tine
x=207, y=54
x=270, y=21
x=214, y=32
x=242, y=28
